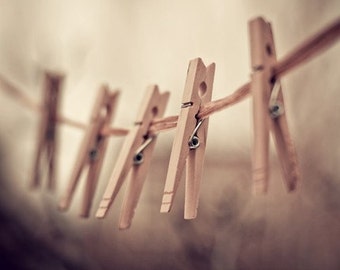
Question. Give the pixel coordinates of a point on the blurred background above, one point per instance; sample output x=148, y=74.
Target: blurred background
x=129, y=45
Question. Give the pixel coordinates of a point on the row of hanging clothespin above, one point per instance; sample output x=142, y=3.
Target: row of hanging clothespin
x=188, y=150
x=135, y=156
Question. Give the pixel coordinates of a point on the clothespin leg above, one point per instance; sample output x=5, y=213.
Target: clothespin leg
x=194, y=172
x=118, y=176
x=131, y=198
x=36, y=171
x=285, y=149
x=176, y=166
x=90, y=186
x=137, y=178
x=261, y=134
x=65, y=201
x=51, y=160
x=94, y=170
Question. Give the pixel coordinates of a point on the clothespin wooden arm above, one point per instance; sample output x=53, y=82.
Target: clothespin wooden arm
x=261, y=46
x=119, y=173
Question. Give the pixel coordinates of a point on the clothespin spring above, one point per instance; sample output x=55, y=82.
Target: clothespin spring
x=139, y=157
x=275, y=106
x=194, y=141
x=93, y=153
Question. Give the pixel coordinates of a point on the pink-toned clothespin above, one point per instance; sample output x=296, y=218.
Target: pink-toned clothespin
x=92, y=150
x=134, y=157
x=190, y=139
x=45, y=157
x=268, y=110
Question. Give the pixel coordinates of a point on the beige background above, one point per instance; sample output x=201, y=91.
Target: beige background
x=131, y=44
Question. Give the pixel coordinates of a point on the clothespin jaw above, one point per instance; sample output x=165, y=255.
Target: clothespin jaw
x=134, y=157
x=45, y=157
x=190, y=139
x=268, y=110
x=92, y=150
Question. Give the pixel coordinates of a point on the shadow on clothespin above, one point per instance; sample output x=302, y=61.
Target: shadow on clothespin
x=190, y=139
x=134, y=157
x=268, y=111
x=92, y=150
x=45, y=157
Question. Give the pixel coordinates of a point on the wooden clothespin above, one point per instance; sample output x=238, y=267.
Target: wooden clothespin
x=134, y=157
x=47, y=133
x=92, y=150
x=268, y=110
x=190, y=139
